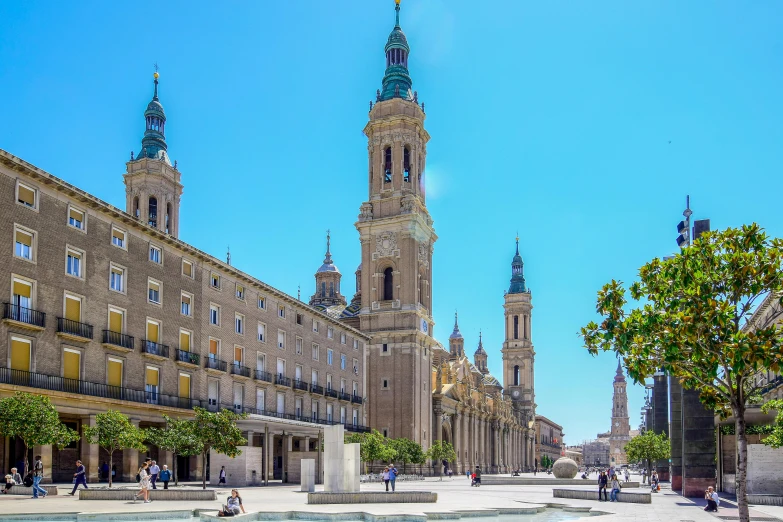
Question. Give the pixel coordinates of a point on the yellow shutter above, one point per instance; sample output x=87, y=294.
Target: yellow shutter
x=115, y=321
x=27, y=195
x=213, y=347
x=184, y=385
x=152, y=377
x=152, y=332
x=118, y=234
x=238, y=354
x=187, y=269
x=73, y=309
x=20, y=355
x=23, y=289
x=184, y=341
x=24, y=238
x=154, y=286
x=71, y=364
x=114, y=372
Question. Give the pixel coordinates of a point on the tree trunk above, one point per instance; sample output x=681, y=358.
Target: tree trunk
x=742, y=464
x=111, y=465
x=204, y=469
x=174, y=465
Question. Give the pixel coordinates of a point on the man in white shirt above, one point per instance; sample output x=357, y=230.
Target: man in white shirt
x=154, y=471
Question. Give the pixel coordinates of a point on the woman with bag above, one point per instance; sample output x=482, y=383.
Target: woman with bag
x=144, y=483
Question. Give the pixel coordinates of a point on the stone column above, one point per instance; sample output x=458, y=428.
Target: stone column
x=457, y=423
x=497, y=440
x=267, y=454
x=438, y=435
x=306, y=444
x=250, y=435
x=90, y=453
x=130, y=459
x=46, y=459
x=660, y=400
x=676, y=433
x=288, y=447
x=698, y=445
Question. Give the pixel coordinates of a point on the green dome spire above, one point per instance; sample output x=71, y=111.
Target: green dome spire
x=153, y=145
x=517, y=274
x=396, y=81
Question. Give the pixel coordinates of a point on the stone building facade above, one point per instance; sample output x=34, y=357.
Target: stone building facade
x=596, y=453
x=549, y=439
x=105, y=308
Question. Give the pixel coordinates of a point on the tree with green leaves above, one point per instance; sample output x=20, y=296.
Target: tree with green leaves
x=648, y=448
x=440, y=451
x=407, y=451
x=217, y=431
x=35, y=421
x=113, y=431
x=690, y=319
x=546, y=462
x=178, y=437
x=775, y=438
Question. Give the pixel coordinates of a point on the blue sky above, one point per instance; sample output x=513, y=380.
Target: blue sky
x=582, y=125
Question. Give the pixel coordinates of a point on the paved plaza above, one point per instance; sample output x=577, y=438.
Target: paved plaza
x=454, y=495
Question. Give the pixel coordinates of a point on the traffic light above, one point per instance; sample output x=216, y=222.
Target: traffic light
x=682, y=230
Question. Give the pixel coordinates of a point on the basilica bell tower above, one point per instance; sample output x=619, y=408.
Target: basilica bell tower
x=621, y=426
x=397, y=239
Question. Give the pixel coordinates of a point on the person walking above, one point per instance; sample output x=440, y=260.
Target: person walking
x=165, y=476
x=602, y=482
x=392, y=475
x=80, y=477
x=644, y=476
x=385, y=477
x=222, y=475
x=477, y=480
x=154, y=471
x=615, y=489
x=38, y=472
x=144, y=483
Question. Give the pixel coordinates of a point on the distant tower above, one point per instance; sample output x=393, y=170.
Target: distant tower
x=621, y=426
x=327, y=281
x=518, y=353
x=152, y=184
x=480, y=357
x=456, y=342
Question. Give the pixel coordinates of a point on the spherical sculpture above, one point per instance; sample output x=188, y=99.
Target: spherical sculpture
x=564, y=468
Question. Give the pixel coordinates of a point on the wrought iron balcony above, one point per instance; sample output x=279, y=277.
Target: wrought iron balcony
x=263, y=376
x=357, y=428
x=28, y=316
x=282, y=380
x=187, y=357
x=118, y=339
x=214, y=364
x=74, y=328
x=331, y=393
x=153, y=348
x=314, y=388
x=300, y=385
x=356, y=399
x=344, y=396
x=57, y=383
x=238, y=369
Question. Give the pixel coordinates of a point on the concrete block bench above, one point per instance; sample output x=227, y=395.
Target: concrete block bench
x=373, y=497
x=155, y=494
x=21, y=490
x=489, y=480
x=634, y=497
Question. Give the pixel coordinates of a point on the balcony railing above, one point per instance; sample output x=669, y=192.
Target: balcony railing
x=118, y=339
x=300, y=385
x=314, y=388
x=357, y=428
x=24, y=315
x=331, y=393
x=187, y=357
x=263, y=376
x=238, y=369
x=76, y=328
x=344, y=396
x=214, y=364
x=57, y=383
x=356, y=399
x=282, y=380
x=153, y=348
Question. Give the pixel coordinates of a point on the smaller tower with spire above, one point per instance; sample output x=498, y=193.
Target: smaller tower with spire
x=327, y=281
x=456, y=341
x=152, y=184
x=480, y=357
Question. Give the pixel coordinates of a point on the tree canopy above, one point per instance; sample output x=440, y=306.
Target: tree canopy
x=217, y=431
x=440, y=451
x=774, y=439
x=178, y=437
x=690, y=321
x=648, y=448
x=113, y=431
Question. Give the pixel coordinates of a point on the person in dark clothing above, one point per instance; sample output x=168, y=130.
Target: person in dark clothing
x=478, y=476
x=80, y=477
x=602, y=482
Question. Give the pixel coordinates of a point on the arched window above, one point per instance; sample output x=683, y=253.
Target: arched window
x=387, y=165
x=136, y=206
x=331, y=289
x=406, y=165
x=153, y=212
x=516, y=327
x=323, y=289
x=388, y=285
x=168, y=217
x=516, y=375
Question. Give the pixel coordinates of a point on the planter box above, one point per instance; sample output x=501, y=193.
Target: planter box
x=28, y=492
x=634, y=497
x=155, y=494
x=373, y=497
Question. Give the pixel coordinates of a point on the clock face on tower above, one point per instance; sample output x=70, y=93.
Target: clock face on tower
x=515, y=394
x=616, y=424
x=424, y=326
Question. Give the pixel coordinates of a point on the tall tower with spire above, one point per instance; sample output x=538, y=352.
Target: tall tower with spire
x=518, y=352
x=397, y=238
x=152, y=184
x=456, y=341
x=327, y=281
x=621, y=426
x=480, y=357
